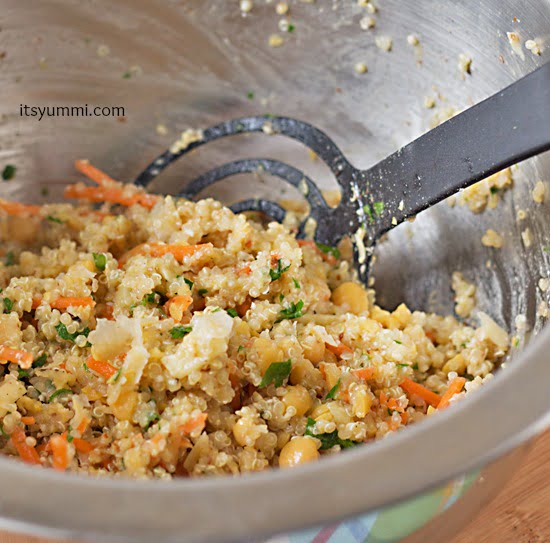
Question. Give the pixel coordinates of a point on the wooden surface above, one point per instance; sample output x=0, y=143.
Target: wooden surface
x=519, y=514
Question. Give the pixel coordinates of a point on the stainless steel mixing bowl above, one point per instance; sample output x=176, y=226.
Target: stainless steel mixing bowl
x=175, y=64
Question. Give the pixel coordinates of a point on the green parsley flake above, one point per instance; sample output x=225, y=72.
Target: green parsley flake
x=402, y=365
x=180, y=331
x=328, y=250
x=278, y=271
x=494, y=190
x=100, y=261
x=378, y=208
x=202, y=292
x=291, y=28
x=333, y=390
x=115, y=377
x=415, y=366
x=64, y=333
x=40, y=361
x=189, y=283
x=151, y=418
x=51, y=218
x=398, y=342
x=10, y=258
x=293, y=311
x=85, y=366
x=240, y=348
x=70, y=436
x=22, y=373
x=296, y=284
x=232, y=312
x=327, y=440
x=8, y=172
x=250, y=95
x=8, y=305
x=276, y=373
x=59, y=393
x=126, y=75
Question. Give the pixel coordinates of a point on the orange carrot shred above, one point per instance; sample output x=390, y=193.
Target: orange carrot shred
x=177, y=306
x=404, y=418
x=161, y=249
x=103, y=368
x=16, y=208
x=82, y=446
x=196, y=423
x=16, y=356
x=412, y=388
x=81, y=428
x=93, y=173
x=364, y=373
x=60, y=451
x=338, y=350
x=27, y=452
x=28, y=420
x=114, y=195
x=455, y=386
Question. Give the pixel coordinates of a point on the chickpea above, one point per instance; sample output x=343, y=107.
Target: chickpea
x=298, y=451
x=267, y=353
x=299, y=398
x=300, y=371
x=352, y=296
x=314, y=349
x=245, y=432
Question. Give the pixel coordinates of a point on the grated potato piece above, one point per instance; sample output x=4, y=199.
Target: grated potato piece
x=492, y=239
x=539, y=192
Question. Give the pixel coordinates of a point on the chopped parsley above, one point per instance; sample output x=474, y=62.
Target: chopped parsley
x=51, y=218
x=44, y=191
x=180, y=331
x=296, y=284
x=291, y=28
x=281, y=297
x=415, y=366
x=22, y=373
x=332, y=392
x=154, y=298
x=10, y=259
x=8, y=305
x=70, y=436
x=402, y=365
x=85, y=366
x=203, y=291
x=40, y=361
x=293, y=311
x=278, y=271
x=250, y=95
x=216, y=309
x=58, y=393
x=327, y=440
x=240, y=348
x=100, y=261
x=232, y=312
x=398, y=342
x=544, y=249
x=189, y=283
x=276, y=373
x=8, y=172
x=378, y=208
x=368, y=212
x=494, y=190
x=328, y=250
x=126, y=75
x=64, y=333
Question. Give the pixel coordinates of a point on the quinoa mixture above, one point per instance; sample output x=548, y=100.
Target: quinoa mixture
x=157, y=337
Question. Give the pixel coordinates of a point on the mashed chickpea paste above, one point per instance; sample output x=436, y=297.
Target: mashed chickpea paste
x=158, y=337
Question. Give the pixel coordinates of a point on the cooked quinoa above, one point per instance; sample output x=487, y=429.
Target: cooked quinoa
x=158, y=337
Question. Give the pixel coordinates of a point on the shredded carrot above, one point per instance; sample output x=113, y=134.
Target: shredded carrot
x=82, y=446
x=43, y=447
x=404, y=418
x=455, y=386
x=81, y=428
x=103, y=368
x=338, y=350
x=106, y=311
x=390, y=403
x=60, y=451
x=114, y=195
x=246, y=270
x=15, y=208
x=364, y=373
x=412, y=388
x=93, y=173
x=161, y=249
x=27, y=452
x=66, y=302
x=28, y=420
x=177, y=306
x=197, y=423
x=16, y=356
